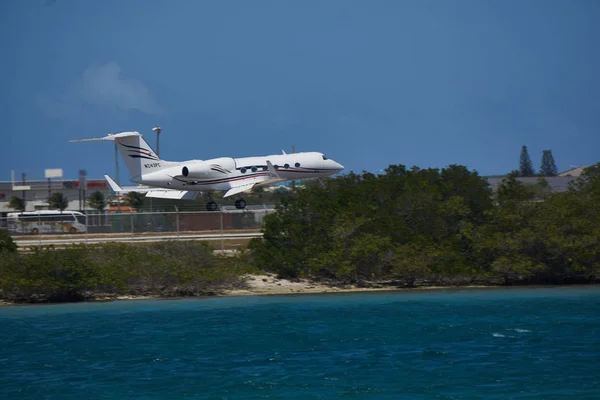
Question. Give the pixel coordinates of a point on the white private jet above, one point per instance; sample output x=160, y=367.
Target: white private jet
x=187, y=179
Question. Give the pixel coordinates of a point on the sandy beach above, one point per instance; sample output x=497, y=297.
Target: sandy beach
x=270, y=284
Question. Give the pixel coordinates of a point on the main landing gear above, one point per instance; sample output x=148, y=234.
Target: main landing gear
x=240, y=204
x=211, y=205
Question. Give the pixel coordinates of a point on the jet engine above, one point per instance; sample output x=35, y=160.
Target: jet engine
x=214, y=168
x=197, y=171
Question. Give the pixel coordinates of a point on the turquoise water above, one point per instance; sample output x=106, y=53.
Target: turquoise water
x=539, y=343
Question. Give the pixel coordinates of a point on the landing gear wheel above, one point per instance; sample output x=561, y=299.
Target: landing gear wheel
x=211, y=206
x=240, y=204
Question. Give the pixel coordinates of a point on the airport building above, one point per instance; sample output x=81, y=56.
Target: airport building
x=36, y=192
x=558, y=183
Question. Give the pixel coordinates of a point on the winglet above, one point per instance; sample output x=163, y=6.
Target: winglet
x=113, y=185
x=272, y=170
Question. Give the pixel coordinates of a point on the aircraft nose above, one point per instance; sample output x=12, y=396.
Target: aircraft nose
x=338, y=166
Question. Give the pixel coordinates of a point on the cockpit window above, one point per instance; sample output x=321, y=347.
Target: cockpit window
x=324, y=158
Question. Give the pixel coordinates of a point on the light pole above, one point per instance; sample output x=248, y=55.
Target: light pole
x=157, y=130
x=117, y=194
x=52, y=173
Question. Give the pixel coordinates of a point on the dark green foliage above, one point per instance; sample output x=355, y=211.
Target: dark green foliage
x=17, y=204
x=58, y=201
x=539, y=190
x=525, y=165
x=97, y=201
x=548, y=167
x=435, y=226
x=355, y=227
x=7, y=244
x=511, y=190
x=134, y=199
x=79, y=272
x=592, y=171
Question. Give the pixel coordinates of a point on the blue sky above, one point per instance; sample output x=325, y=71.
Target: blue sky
x=370, y=83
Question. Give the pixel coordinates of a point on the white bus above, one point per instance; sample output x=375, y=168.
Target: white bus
x=46, y=221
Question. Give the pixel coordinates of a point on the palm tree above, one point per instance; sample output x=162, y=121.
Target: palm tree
x=97, y=201
x=17, y=204
x=58, y=201
x=134, y=199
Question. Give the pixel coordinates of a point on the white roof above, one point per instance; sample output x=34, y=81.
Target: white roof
x=576, y=171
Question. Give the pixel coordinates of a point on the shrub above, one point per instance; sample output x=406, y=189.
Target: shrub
x=7, y=244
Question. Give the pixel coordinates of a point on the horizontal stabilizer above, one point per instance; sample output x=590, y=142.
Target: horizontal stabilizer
x=113, y=185
x=110, y=136
x=239, y=189
x=172, y=194
x=125, y=189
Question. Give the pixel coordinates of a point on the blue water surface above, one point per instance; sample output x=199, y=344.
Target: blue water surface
x=532, y=343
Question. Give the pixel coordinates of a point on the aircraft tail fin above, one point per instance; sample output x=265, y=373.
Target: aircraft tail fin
x=137, y=153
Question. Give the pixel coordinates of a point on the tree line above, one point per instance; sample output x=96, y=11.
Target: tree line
x=84, y=272
x=419, y=226
x=547, y=167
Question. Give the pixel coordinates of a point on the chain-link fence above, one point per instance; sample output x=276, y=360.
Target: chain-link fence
x=45, y=225
x=178, y=221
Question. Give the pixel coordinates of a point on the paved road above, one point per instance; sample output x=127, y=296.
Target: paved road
x=72, y=239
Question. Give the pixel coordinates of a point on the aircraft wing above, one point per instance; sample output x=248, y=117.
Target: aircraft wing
x=239, y=189
x=153, y=192
x=172, y=194
x=247, y=184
